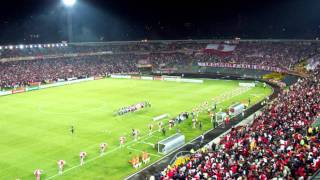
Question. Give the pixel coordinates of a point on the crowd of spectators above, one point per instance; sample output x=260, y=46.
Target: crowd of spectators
x=279, y=144
x=21, y=73
x=284, y=55
x=72, y=61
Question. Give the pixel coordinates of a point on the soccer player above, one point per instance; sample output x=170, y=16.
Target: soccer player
x=194, y=123
x=197, y=112
x=192, y=114
x=133, y=133
x=72, y=130
x=136, y=134
x=82, y=156
x=103, y=147
x=150, y=129
x=160, y=126
x=122, y=141
x=163, y=131
x=171, y=124
x=38, y=173
x=61, y=164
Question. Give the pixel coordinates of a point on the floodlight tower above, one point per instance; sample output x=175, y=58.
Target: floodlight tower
x=69, y=4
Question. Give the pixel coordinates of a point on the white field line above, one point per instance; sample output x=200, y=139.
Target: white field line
x=143, y=137
x=164, y=156
x=98, y=157
x=247, y=89
x=133, y=149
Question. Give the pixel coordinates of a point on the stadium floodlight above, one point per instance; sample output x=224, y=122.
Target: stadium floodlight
x=21, y=46
x=69, y=3
x=0, y=47
x=39, y=46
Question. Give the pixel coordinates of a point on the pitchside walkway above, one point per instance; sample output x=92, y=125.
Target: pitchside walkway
x=212, y=136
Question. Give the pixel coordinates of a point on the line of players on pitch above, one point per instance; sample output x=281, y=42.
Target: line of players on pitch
x=62, y=163
x=83, y=155
x=133, y=108
x=135, y=134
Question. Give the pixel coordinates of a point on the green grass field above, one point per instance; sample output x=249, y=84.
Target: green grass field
x=35, y=126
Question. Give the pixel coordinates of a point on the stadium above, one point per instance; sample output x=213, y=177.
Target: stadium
x=160, y=109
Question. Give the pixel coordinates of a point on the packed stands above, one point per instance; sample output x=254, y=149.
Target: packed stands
x=280, y=143
x=24, y=64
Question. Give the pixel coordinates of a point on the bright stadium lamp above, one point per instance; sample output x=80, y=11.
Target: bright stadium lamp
x=69, y=3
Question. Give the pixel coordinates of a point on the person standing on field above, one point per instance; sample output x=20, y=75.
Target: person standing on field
x=122, y=141
x=150, y=129
x=82, y=156
x=38, y=173
x=72, y=130
x=61, y=164
x=103, y=147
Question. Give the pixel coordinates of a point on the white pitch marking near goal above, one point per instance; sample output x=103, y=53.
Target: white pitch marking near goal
x=133, y=149
x=233, y=93
x=98, y=157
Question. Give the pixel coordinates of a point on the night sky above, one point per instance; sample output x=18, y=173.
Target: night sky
x=42, y=21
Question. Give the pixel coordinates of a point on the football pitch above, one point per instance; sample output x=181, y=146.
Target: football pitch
x=35, y=126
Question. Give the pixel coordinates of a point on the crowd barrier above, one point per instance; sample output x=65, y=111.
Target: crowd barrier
x=45, y=86
x=157, y=78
